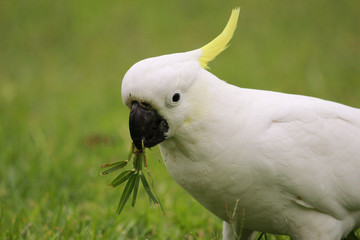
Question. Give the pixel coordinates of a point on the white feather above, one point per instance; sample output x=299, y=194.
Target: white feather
x=292, y=162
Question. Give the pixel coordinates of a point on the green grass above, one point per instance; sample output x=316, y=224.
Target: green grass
x=61, y=115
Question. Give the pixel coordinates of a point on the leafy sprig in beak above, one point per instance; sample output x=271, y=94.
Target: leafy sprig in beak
x=132, y=177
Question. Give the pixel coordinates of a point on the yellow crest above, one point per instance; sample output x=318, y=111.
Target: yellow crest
x=219, y=44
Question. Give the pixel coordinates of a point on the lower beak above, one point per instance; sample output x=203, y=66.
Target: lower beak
x=147, y=127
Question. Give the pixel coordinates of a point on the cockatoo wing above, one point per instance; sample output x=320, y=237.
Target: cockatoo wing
x=314, y=146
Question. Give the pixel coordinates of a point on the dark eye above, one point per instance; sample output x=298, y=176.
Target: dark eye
x=176, y=97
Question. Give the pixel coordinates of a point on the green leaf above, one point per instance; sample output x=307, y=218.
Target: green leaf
x=114, y=167
x=126, y=193
x=131, y=177
x=122, y=178
x=145, y=161
x=147, y=188
x=110, y=165
x=139, y=157
x=136, y=188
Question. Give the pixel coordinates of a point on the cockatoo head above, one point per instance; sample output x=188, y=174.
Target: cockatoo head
x=162, y=92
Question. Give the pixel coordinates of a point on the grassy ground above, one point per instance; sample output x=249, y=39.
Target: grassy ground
x=61, y=116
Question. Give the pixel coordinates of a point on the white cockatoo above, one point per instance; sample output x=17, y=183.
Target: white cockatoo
x=258, y=160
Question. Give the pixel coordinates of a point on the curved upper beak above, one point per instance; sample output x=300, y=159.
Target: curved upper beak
x=147, y=127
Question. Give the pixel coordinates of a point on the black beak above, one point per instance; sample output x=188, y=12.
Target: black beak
x=146, y=126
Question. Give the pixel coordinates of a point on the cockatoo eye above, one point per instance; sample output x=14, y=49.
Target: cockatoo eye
x=174, y=98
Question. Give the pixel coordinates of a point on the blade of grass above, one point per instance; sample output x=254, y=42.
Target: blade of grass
x=136, y=188
x=116, y=167
x=147, y=188
x=126, y=193
x=138, y=160
x=122, y=178
x=108, y=165
x=152, y=186
x=145, y=161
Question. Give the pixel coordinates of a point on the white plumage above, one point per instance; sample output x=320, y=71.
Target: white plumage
x=291, y=162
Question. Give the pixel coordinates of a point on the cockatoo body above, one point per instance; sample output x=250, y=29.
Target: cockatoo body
x=258, y=160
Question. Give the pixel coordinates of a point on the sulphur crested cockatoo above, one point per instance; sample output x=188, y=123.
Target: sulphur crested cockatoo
x=258, y=160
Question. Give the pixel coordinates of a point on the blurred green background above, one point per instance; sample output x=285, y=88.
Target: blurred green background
x=61, y=115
